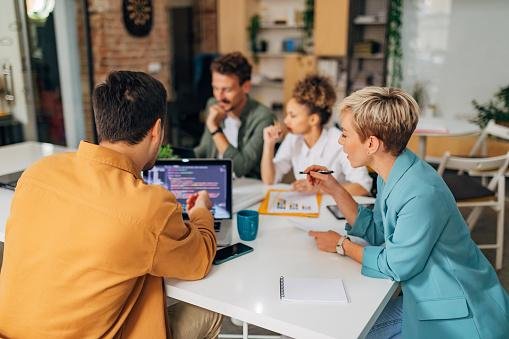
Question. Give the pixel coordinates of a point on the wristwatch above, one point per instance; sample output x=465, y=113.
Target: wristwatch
x=339, y=246
x=218, y=130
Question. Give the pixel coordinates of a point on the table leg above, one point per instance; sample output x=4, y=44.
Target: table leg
x=422, y=146
x=245, y=334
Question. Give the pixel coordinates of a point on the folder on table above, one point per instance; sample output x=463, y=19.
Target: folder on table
x=291, y=203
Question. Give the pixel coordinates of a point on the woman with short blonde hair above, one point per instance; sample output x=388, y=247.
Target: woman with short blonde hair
x=416, y=234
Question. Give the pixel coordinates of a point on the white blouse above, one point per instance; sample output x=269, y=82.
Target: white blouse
x=294, y=153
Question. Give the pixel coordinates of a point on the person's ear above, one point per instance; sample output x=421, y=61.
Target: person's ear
x=157, y=132
x=246, y=86
x=314, y=119
x=373, y=144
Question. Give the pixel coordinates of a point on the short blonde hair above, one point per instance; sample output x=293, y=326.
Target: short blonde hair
x=389, y=114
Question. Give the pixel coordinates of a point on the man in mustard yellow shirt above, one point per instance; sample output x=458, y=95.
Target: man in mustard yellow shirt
x=88, y=242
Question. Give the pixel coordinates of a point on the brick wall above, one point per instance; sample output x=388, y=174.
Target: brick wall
x=113, y=48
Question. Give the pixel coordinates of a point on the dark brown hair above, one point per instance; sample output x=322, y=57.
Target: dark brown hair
x=233, y=64
x=126, y=105
x=317, y=94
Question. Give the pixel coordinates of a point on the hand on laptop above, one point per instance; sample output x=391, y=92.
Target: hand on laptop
x=200, y=199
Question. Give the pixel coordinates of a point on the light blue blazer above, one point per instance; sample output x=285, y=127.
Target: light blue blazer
x=419, y=238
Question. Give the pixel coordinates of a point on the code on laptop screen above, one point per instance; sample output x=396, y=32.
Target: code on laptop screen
x=186, y=179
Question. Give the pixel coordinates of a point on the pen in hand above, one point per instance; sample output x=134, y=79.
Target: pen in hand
x=321, y=172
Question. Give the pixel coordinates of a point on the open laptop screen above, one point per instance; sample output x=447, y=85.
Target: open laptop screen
x=184, y=177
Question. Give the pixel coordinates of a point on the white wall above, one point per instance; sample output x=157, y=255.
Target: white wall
x=10, y=53
x=459, y=49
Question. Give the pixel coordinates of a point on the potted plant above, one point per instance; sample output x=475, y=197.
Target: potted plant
x=166, y=152
x=253, y=30
x=497, y=109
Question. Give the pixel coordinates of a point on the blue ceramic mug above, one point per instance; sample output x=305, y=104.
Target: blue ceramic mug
x=247, y=224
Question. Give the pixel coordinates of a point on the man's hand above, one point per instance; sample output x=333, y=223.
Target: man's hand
x=325, y=182
x=215, y=117
x=272, y=134
x=303, y=185
x=200, y=199
x=325, y=241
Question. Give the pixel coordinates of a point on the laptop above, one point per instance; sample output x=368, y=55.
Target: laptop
x=184, y=177
x=183, y=152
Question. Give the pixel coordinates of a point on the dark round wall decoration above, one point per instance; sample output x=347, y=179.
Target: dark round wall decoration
x=138, y=16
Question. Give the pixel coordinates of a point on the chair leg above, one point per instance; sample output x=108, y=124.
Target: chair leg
x=500, y=239
x=474, y=216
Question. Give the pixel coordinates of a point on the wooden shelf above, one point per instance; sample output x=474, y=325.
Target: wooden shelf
x=376, y=23
x=369, y=56
x=282, y=27
x=275, y=55
x=269, y=84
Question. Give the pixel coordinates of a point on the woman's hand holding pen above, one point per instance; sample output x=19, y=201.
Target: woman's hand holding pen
x=325, y=182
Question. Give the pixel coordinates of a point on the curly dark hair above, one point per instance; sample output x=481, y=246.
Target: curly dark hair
x=317, y=94
x=233, y=64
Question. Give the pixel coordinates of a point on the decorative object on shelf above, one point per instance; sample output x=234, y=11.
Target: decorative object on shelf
x=497, y=109
x=420, y=94
x=138, y=16
x=253, y=30
x=395, y=51
x=309, y=19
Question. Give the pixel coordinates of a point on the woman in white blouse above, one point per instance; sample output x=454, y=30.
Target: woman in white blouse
x=309, y=141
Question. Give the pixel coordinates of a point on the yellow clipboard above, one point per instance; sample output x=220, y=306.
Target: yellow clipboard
x=264, y=206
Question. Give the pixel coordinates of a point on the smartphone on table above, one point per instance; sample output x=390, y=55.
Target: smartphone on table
x=336, y=212
x=230, y=252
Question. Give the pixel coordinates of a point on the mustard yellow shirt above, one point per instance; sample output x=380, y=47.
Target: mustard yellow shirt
x=87, y=244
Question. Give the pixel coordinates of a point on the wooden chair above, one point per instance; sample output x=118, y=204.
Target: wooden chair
x=469, y=192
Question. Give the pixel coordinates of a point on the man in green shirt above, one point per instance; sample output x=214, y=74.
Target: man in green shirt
x=235, y=122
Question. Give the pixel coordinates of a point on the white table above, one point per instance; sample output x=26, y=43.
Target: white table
x=247, y=288
x=5, y=206
x=442, y=127
x=17, y=157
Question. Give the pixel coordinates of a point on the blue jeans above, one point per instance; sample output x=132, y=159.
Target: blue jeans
x=388, y=324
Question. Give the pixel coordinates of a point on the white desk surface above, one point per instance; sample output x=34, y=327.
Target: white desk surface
x=247, y=287
x=5, y=207
x=446, y=127
x=17, y=157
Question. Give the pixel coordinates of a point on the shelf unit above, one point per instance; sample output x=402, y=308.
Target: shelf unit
x=271, y=62
x=280, y=20
x=368, y=27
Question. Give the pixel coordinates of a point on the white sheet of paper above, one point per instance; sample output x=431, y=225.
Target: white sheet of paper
x=293, y=202
x=307, y=224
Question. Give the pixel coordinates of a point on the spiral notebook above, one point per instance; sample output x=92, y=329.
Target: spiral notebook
x=322, y=290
